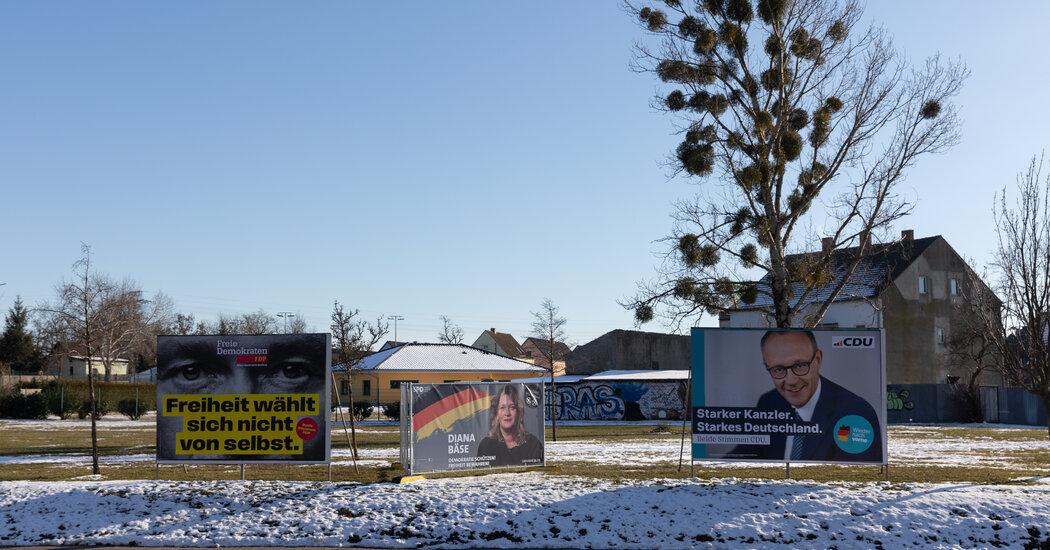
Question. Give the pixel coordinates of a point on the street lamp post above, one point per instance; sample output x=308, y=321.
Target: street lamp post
x=396, y=318
x=285, y=315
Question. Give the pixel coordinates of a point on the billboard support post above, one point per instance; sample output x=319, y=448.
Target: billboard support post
x=687, y=419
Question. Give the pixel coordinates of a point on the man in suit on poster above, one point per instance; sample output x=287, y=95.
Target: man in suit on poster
x=793, y=361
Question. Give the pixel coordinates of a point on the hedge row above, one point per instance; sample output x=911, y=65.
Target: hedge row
x=69, y=398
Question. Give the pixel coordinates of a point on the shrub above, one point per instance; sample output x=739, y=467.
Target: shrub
x=362, y=410
x=131, y=408
x=101, y=405
x=61, y=401
x=17, y=405
x=392, y=410
x=35, y=406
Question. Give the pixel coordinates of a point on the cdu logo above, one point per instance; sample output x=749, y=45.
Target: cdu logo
x=853, y=342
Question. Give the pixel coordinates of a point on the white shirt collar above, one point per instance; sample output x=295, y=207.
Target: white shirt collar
x=806, y=411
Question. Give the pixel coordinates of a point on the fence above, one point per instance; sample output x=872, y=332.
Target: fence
x=943, y=403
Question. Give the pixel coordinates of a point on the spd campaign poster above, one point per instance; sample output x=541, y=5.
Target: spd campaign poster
x=789, y=395
x=476, y=426
x=243, y=399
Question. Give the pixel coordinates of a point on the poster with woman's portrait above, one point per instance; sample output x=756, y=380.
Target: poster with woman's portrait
x=467, y=426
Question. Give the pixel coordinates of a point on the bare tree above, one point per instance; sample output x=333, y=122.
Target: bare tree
x=792, y=116
x=972, y=351
x=121, y=320
x=1022, y=258
x=297, y=324
x=549, y=327
x=451, y=333
x=182, y=324
x=75, y=317
x=352, y=340
x=258, y=322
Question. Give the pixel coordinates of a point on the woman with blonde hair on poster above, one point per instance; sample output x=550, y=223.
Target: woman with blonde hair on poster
x=508, y=443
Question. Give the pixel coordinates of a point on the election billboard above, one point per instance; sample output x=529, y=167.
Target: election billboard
x=789, y=395
x=243, y=399
x=465, y=426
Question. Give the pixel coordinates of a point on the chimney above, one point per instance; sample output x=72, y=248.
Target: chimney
x=907, y=235
x=492, y=330
x=865, y=243
x=827, y=244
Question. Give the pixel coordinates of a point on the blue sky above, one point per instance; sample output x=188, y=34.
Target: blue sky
x=465, y=159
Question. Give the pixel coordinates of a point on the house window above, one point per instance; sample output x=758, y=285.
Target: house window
x=955, y=287
x=395, y=384
x=923, y=289
x=940, y=336
x=366, y=387
x=344, y=387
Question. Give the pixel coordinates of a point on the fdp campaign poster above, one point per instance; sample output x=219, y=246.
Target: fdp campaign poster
x=789, y=395
x=243, y=399
x=476, y=426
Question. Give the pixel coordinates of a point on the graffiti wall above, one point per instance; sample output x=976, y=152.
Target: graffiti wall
x=618, y=400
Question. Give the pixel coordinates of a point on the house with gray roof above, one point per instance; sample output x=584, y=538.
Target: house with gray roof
x=912, y=288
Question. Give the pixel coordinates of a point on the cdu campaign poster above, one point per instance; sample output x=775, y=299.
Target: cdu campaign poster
x=789, y=395
x=241, y=399
x=464, y=426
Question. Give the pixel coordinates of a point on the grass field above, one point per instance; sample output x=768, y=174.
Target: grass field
x=55, y=450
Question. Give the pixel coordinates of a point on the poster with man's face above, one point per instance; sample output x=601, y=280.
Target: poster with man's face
x=243, y=398
x=476, y=426
x=789, y=395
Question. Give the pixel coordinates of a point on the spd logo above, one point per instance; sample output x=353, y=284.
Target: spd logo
x=852, y=342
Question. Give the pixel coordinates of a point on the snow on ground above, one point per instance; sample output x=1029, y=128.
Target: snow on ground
x=529, y=510
x=526, y=510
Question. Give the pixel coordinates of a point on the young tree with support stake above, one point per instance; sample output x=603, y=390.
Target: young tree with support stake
x=549, y=327
x=792, y=116
x=78, y=315
x=352, y=340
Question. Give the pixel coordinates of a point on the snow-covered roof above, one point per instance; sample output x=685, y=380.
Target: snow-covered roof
x=637, y=375
x=563, y=379
x=440, y=358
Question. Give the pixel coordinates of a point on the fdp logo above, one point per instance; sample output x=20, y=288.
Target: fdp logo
x=852, y=342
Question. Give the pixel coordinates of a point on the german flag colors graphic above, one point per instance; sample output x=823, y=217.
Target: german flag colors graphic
x=446, y=411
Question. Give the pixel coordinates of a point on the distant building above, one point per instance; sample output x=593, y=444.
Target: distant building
x=630, y=350
x=378, y=377
x=537, y=350
x=75, y=367
x=500, y=343
x=910, y=288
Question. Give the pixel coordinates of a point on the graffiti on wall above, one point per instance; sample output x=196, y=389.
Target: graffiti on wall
x=895, y=401
x=620, y=401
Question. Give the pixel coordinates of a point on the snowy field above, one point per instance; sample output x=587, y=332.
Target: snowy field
x=532, y=510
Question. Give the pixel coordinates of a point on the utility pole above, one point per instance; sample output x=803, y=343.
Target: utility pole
x=285, y=315
x=396, y=318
